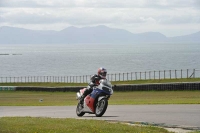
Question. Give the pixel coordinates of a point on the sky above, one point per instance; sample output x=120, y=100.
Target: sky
x=169, y=17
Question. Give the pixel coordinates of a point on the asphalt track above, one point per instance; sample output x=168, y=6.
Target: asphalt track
x=177, y=116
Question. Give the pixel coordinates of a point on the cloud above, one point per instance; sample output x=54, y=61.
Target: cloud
x=99, y=4
x=73, y=16
x=19, y=3
x=140, y=15
x=28, y=16
x=179, y=20
x=179, y=16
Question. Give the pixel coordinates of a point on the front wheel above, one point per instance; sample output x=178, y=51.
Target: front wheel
x=101, y=107
x=79, y=109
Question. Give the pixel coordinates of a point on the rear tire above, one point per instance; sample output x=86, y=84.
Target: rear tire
x=79, y=110
x=101, y=107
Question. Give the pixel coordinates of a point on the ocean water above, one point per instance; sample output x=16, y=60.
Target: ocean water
x=85, y=59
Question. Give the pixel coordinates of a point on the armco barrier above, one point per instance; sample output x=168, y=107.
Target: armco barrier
x=158, y=87
x=138, y=87
x=51, y=89
x=7, y=88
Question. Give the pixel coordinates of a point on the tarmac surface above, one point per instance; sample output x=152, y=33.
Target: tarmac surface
x=185, y=117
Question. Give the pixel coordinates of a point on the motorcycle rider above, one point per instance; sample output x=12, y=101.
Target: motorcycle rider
x=94, y=81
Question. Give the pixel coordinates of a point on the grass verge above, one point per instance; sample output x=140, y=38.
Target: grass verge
x=55, y=125
x=33, y=98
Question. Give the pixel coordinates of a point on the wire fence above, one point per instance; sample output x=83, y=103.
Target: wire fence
x=147, y=75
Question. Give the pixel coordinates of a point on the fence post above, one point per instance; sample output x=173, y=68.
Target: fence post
x=149, y=74
x=136, y=75
x=181, y=74
x=164, y=74
x=194, y=73
x=131, y=76
x=175, y=75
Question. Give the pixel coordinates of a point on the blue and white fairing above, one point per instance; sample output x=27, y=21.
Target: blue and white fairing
x=103, y=90
x=105, y=86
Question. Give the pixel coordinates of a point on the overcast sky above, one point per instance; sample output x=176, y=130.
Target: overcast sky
x=169, y=17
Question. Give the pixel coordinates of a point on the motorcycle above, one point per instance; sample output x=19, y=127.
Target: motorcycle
x=97, y=101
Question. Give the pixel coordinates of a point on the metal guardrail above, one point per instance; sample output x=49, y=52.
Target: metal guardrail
x=147, y=75
x=190, y=86
x=7, y=88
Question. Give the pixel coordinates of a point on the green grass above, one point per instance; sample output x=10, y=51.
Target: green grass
x=55, y=125
x=44, y=84
x=32, y=98
x=157, y=81
x=113, y=82
x=48, y=125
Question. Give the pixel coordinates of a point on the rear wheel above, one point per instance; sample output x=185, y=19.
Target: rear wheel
x=101, y=107
x=79, y=109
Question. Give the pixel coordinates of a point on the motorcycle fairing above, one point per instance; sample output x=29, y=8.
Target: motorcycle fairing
x=90, y=99
x=89, y=104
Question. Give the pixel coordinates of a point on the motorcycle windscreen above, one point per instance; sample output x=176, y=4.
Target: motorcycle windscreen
x=106, y=86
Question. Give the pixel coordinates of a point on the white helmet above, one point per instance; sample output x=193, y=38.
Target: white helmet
x=102, y=72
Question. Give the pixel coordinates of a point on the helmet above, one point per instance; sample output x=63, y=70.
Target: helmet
x=102, y=72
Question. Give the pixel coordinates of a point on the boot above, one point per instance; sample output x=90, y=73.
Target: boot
x=86, y=92
x=82, y=99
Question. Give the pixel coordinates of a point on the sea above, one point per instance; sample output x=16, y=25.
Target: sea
x=84, y=59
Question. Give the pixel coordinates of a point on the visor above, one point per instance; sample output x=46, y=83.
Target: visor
x=104, y=74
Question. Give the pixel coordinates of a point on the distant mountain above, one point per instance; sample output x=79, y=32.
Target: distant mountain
x=195, y=37
x=98, y=34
